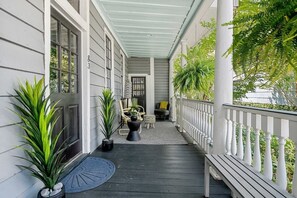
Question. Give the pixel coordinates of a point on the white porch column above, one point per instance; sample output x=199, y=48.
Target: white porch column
x=151, y=99
x=223, y=87
x=171, y=92
x=183, y=63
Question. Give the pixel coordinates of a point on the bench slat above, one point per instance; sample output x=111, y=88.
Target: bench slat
x=241, y=171
x=261, y=179
x=227, y=177
x=242, y=179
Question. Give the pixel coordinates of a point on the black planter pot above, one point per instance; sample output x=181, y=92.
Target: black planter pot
x=107, y=144
x=133, y=117
x=61, y=194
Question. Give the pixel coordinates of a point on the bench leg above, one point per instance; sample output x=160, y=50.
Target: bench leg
x=206, y=179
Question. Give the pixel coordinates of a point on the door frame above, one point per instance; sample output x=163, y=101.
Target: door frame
x=147, y=81
x=80, y=22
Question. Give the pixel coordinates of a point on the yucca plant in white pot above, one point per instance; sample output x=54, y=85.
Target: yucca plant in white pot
x=44, y=156
x=108, y=114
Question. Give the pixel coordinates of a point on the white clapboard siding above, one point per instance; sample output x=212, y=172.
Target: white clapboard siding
x=22, y=33
x=21, y=11
x=27, y=60
x=97, y=72
x=161, y=80
x=21, y=59
x=139, y=65
x=11, y=78
x=7, y=117
x=10, y=137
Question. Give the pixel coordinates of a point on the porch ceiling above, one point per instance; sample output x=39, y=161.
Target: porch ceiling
x=148, y=28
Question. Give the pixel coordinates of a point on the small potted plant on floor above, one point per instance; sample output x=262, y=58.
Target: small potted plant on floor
x=38, y=117
x=108, y=114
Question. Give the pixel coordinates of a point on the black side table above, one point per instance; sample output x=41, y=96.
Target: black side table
x=133, y=133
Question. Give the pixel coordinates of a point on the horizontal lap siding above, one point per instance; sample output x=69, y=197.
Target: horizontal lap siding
x=97, y=73
x=21, y=58
x=139, y=65
x=161, y=80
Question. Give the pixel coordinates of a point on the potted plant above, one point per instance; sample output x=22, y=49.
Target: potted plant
x=38, y=117
x=108, y=114
x=134, y=109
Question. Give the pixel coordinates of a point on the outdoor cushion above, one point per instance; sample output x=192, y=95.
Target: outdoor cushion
x=163, y=104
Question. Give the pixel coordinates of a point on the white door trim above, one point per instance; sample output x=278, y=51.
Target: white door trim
x=81, y=23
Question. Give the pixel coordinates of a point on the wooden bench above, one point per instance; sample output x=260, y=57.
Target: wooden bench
x=241, y=178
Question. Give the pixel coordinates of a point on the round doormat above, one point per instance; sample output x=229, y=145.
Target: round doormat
x=90, y=173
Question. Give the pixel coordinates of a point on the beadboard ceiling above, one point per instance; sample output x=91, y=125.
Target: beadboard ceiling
x=148, y=28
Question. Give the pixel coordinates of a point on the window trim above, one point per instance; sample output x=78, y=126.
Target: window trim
x=109, y=36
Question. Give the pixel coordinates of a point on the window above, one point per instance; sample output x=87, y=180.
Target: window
x=64, y=59
x=75, y=4
x=108, y=62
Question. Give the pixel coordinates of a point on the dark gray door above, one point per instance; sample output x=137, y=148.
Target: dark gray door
x=138, y=90
x=64, y=83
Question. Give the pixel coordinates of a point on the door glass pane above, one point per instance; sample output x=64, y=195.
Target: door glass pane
x=73, y=83
x=64, y=82
x=65, y=63
x=73, y=42
x=54, y=80
x=54, y=57
x=54, y=30
x=64, y=36
x=73, y=64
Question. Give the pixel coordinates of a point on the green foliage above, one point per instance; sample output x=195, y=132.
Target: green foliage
x=267, y=106
x=265, y=39
x=107, y=112
x=197, y=77
x=37, y=115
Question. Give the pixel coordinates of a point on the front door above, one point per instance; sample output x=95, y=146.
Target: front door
x=64, y=83
x=138, y=90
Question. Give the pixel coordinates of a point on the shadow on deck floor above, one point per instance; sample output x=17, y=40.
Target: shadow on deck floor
x=155, y=171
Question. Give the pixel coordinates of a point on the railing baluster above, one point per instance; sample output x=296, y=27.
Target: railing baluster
x=281, y=172
x=240, y=139
x=248, y=151
x=229, y=133
x=268, y=171
x=257, y=154
x=234, y=143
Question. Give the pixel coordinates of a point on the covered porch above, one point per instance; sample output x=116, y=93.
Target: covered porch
x=116, y=41
x=150, y=168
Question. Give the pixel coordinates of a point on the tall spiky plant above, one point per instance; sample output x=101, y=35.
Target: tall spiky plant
x=108, y=113
x=37, y=115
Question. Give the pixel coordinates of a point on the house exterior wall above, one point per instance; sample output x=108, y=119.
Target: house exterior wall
x=161, y=80
x=21, y=58
x=97, y=73
x=139, y=65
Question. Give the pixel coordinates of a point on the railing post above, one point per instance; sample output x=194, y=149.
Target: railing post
x=223, y=87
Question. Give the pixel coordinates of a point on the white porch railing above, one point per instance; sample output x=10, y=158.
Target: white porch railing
x=197, y=118
x=197, y=121
x=282, y=124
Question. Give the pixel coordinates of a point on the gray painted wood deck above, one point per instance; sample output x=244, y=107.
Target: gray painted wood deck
x=155, y=171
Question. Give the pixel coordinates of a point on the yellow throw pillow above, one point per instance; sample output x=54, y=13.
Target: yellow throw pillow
x=163, y=104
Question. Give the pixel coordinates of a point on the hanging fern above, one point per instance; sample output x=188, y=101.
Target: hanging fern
x=265, y=39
